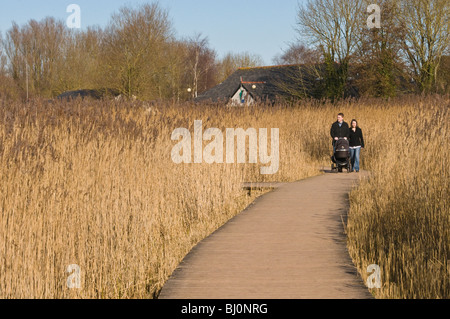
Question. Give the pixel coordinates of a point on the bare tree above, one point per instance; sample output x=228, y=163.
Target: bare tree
x=379, y=69
x=332, y=25
x=209, y=69
x=233, y=61
x=305, y=78
x=134, y=49
x=81, y=69
x=3, y=74
x=177, y=82
x=200, y=61
x=298, y=53
x=36, y=51
x=428, y=36
x=2, y=57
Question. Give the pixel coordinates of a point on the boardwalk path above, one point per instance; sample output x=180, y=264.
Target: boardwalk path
x=289, y=244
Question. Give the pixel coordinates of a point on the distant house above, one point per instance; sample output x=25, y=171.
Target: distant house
x=93, y=94
x=265, y=84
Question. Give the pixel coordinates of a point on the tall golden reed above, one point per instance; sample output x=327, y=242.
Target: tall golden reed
x=92, y=183
x=400, y=217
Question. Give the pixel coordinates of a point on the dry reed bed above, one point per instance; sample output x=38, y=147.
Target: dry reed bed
x=92, y=183
x=400, y=218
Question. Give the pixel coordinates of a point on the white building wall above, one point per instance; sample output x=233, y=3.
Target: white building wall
x=247, y=98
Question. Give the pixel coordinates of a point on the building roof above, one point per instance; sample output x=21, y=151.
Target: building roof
x=94, y=94
x=263, y=83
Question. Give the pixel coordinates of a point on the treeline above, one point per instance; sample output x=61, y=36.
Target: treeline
x=409, y=53
x=137, y=54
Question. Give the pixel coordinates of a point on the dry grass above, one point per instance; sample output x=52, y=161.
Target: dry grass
x=92, y=183
x=400, y=217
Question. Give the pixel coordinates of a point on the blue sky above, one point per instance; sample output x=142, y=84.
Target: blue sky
x=257, y=26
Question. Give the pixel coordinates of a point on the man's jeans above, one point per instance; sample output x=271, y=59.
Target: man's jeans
x=355, y=156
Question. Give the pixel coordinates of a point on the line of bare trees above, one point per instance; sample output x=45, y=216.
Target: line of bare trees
x=409, y=53
x=136, y=55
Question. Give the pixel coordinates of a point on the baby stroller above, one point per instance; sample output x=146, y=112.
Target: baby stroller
x=341, y=156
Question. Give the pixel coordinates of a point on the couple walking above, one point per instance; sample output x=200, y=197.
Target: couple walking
x=353, y=134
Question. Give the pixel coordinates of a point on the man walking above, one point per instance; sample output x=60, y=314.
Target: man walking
x=339, y=129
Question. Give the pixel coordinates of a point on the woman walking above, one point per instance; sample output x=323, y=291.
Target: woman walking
x=356, y=143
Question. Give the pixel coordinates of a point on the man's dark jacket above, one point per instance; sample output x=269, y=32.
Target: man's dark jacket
x=340, y=131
